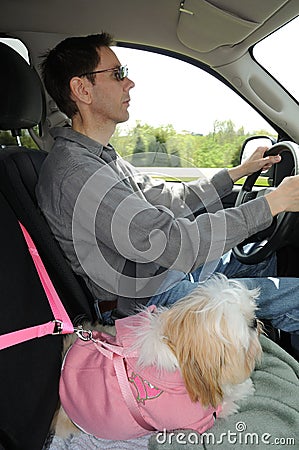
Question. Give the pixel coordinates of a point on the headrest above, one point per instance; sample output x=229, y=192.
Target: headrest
x=21, y=94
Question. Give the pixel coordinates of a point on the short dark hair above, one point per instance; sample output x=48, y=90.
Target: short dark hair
x=70, y=58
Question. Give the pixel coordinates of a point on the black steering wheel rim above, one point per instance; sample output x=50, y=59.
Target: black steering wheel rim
x=275, y=236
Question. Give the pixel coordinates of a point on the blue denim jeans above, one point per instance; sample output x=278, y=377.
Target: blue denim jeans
x=278, y=300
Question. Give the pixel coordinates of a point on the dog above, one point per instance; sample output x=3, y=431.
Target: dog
x=184, y=365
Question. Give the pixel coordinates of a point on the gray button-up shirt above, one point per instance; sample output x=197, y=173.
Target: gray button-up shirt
x=104, y=214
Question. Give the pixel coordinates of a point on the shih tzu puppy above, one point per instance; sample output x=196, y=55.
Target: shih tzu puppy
x=165, y=368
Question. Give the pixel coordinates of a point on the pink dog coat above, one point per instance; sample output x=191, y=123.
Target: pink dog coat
x=106, y=394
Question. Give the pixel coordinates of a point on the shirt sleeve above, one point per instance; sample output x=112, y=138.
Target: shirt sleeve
x=184, y=198
x=109, y=210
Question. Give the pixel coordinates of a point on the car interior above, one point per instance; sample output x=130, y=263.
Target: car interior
x=216, y=36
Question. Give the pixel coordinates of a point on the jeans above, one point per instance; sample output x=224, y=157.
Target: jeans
x=278, y=300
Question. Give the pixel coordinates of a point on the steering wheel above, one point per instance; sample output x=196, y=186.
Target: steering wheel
x=277, y=235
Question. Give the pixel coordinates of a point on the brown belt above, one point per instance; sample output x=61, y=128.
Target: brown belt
x=107, y=305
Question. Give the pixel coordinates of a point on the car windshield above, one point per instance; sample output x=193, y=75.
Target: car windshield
x=276, y=54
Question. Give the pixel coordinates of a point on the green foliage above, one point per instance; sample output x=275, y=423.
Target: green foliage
x=6, y=138
x=139, y=146
x=145, y=145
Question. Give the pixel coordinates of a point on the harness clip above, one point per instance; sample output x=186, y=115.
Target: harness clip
x=84, y=335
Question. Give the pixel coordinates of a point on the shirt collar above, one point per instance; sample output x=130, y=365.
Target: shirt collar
x=79, y=138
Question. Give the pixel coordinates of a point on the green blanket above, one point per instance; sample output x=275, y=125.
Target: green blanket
x=269, y=419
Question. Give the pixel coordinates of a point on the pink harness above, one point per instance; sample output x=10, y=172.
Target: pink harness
x=106, y=394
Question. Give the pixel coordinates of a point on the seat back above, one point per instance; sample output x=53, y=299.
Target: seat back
x=30, y=371
x=19, y=168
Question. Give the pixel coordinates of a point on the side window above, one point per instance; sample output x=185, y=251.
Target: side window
x=6, y=137
x=17, y=45
x=182, y=117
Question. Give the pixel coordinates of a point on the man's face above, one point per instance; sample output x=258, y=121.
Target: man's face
x=110, y=97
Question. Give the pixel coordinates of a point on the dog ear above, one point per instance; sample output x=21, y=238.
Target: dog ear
x=200, y=356
x=202, y=381
x=208, y=332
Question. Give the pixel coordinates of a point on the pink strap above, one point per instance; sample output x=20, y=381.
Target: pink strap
x=62, y=323
x=129, y=399
x=116, y=354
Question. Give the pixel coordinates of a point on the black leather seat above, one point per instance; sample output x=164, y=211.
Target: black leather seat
x=30, y=371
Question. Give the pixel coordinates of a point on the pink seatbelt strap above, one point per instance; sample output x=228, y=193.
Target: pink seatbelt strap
x=61, y=323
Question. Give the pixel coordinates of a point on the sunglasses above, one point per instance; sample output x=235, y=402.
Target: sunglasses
x=120, y=72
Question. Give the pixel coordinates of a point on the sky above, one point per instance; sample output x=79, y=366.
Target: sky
x=169, y=91
x=279, y=55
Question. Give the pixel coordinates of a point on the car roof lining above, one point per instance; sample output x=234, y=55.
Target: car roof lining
x=203, y=23
x=175, y=30
x=155, y=26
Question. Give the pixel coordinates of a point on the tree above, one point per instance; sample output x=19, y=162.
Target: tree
x=139, y=146
x=159, y=153
x=6, y=138
x=165, y=147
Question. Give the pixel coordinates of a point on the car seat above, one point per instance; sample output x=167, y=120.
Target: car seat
x=30, y=371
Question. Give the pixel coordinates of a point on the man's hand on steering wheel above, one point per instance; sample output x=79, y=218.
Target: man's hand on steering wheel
x=283, y=200
x=255, y=163
x=285, y=197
